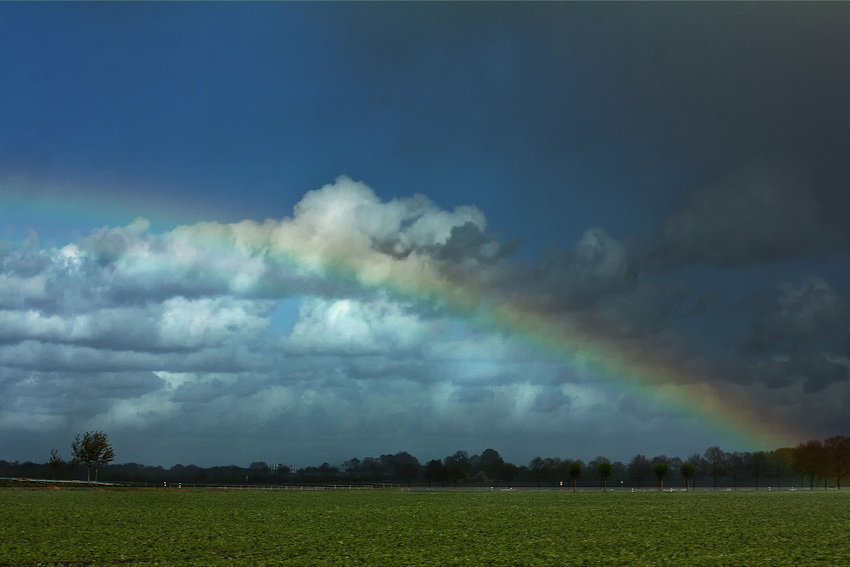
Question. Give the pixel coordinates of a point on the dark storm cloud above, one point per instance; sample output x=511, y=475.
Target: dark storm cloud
x=738, y=80
x=598, y=266
x=465, y=242
x=752, y=100
x=614, y=139
x=597, y=282
x=470, y=242
x=765, y=212
x=627, y=86
x=808, y=373
x=797, y=318
x=550, y=400
x=355, y=361
x=63, y=394
x=63, y=389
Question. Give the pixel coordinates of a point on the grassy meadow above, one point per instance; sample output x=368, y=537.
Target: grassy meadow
x=72, y=527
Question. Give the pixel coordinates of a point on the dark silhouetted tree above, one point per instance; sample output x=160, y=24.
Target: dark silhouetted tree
x=715, y=457
x=371, y=467
x=735, y=465
x=435, y=472
x=810, y=460
x=603, y=471
x=457, y=466
x=55, y=462
x=619, y=471
x=405, y=466
x=661, y=469
x=688, y=472
x=561, y=472
x=574, y=472
x=551, y=466
x=491, y=463
x=535, y=466
x=328, y=472
x=509, y=472
x=639, y=469
x=94, y=450
x=757, y=463
x=838, y=457
x=782, y=461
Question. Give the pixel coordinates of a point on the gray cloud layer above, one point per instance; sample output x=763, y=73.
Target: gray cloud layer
x=763, y=212
x=350, y=328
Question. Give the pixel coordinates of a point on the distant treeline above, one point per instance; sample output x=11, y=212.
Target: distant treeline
x=810, y=464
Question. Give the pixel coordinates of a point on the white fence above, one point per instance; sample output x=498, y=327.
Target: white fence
x=187, y=485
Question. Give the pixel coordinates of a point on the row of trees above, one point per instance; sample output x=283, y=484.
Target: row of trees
x=827, y=460
x=809, y=464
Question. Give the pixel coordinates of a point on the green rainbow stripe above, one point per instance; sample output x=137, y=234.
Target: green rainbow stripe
x=657, y=379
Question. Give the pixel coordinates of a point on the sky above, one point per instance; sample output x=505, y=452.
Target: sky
x=306, y=232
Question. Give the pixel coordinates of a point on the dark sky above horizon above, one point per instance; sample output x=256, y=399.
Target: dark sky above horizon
x=671, y=176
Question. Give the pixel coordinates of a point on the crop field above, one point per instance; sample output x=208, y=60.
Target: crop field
x=71, y=527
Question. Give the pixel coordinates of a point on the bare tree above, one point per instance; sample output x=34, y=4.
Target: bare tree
x=639, y=468
x=735, y=464
x=535, y=465
x=838, y=449
x=757, y=463
x=55, y=461
x=716, y=459
x=811, y=460
x=782, y=461
x=551, y=465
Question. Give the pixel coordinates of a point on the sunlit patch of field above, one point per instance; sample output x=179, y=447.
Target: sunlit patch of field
x=387, y=527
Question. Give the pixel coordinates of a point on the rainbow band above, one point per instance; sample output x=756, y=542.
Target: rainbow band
x=659, y=380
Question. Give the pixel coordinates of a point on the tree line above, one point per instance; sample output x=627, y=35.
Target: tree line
x=809, y=464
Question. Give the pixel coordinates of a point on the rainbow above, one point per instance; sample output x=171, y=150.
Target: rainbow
x=68, y=209
x=658, y=378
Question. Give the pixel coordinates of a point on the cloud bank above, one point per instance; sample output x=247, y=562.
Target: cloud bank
x=354, y=327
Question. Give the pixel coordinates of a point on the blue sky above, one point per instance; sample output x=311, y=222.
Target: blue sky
x=674, y=173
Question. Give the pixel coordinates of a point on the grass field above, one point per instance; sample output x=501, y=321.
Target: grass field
x=387, y=528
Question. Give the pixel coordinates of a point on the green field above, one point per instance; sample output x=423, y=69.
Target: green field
x=388, y=527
